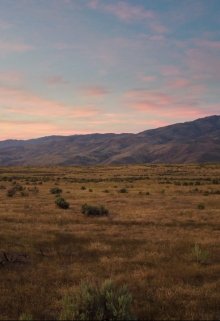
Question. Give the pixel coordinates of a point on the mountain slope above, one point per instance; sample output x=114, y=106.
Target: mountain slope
x=196, y=141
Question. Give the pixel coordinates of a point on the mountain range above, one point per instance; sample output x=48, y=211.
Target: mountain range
x=189, y=142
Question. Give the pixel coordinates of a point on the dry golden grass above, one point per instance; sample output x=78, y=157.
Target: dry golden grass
x=147, y=240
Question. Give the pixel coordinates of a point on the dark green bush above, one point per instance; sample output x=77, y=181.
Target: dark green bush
x=11, y=192
x=16, y=188
x=56, y=190
x=62, y=203
x=201, y=206
x=91, y=210
x=92, y=302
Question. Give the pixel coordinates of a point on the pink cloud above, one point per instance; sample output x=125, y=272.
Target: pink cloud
x=167, y=106
x=10, y=47
x=93, y=4
x=168, y=111
x=26, y=129
x=25, y=103
x=170, y=70
x=158, y=27
x=153, y=98
x=94, y=91
x=128, y=12
x=208, y=44
x=180, y=83
x=56, y=80
x=11, y=77
x=146, y=78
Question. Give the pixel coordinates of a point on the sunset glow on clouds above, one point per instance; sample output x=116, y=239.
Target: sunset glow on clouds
x=76, y=67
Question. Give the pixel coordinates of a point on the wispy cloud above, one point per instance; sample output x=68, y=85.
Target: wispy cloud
x=11, y=77
x=127, y=12
x=166, y=105
x=130, y=13
x=94, y=91
x=22, y=102
x=17, y=47
x=56, y=80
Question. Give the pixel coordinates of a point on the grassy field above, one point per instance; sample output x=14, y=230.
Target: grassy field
x=161, y=238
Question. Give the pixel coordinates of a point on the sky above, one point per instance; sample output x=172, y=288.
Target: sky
x=86, y=66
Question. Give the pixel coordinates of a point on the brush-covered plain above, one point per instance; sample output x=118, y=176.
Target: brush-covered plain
x=160, y=236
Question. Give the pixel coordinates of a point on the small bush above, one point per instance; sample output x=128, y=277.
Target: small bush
x=34, y=190
x=62, y=203
x=18, y=187
x=24, y=194
x=94, y=210
x=123, y=190
x=201, y=206
x=200, y=255
x=92, y=302
x=25, y=317
x=55, y=190
x=106, y=191
x=90, y=190
x=11, y=192
x=83, y=188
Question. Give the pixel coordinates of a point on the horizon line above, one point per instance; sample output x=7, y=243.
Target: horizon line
x=107, y=133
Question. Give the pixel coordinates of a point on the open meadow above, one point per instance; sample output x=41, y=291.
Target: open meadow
x=161, y=238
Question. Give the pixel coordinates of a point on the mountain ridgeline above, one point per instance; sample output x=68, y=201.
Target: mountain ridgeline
x=189, y=142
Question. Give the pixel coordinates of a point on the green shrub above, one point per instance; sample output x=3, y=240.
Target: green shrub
x=200, y=255
x=123, y=190
x=91, y=210
x=25, y=317
x=201, y=206
x=24, y=193
x=56, y=190
x=62, y=203
x=92, y=302
x=17, y=187
x=11, y=192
